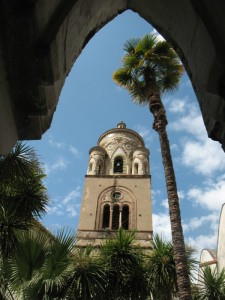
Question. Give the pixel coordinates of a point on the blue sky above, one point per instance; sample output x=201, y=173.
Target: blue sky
x=91, y=103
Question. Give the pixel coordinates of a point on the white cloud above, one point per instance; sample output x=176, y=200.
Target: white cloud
x=174, y=147
x=205, y=157
x=203, y=242
x=74, y=151
x=199, y=152
x=161, y=225
x=211, y=196
x=73, y=210
x=144, y=132
x=58, y=145
x=191, y=122
x=197, y=222
x=165, y=203
x=156, y=192
x=73, y=195
x=55, y=209
x=159, y=36
x=60, y=164
x=177, y=105
x=67, y=205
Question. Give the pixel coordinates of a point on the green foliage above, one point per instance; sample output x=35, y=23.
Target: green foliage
x=126, y=275
x=161, y=270
x=213, y=285
x=88, y=278
x=149, y=66
x=41, y=266
x=19, y=163
x=22, y=195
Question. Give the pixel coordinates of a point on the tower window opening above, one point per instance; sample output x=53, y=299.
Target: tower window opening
x=90, y=167
x=99, y=170
x=106, y=216
x=115, y=217
x=135, y=169
x=125, y=217
x=118, y=165
x=146, y=168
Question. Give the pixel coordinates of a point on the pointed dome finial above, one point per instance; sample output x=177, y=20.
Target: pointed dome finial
x=121, y=125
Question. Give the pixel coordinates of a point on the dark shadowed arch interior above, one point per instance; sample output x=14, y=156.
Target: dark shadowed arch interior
x=59, y=30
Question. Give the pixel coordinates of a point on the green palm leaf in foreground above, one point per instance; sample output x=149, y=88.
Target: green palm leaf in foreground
x=42, y=265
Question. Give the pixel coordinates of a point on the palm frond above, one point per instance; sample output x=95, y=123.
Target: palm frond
x=130, y=62
x=130, y=45
x=146, y=43
x=213, y=284
x=152, y=57
x=122, y=77
x=87, y=279
x=10, y=226
x=30, y=198
x=20, y=162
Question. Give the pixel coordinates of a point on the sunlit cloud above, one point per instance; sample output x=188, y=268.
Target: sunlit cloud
x=204, y=157
x=199, y=152
x=201, y=242
x=161, y=225
x=164, y=203
x=211, y=196
x=159, y=36
x=190, y=122
x=177, y=105
x=197, y=222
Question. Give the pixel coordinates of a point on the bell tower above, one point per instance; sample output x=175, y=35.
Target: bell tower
x=117, y=189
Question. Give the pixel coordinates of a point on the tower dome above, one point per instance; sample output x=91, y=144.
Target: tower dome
x=122, y=152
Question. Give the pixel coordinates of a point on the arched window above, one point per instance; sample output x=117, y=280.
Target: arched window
x=90, y=167
x=99, y=169
x=135, y=168
x=118, y=165
x=115, y=217
x=125, y=217
x=105, y=217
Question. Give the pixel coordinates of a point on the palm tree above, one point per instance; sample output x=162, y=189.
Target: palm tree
x=22, y=195
x=126, y=276
x=88, y=276
x=150, y=68
x=161, y=270
x=41, y=266
x=162, y=277
x=213, y=285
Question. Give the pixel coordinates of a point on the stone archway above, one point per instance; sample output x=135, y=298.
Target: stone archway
x=42, y=40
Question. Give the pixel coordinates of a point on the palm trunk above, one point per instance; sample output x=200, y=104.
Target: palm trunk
x=160, y=122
